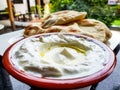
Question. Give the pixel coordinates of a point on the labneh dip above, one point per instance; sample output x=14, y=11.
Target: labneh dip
x=59, y=56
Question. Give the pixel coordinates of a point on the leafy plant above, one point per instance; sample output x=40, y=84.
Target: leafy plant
x=97, y=9
x=58, y=5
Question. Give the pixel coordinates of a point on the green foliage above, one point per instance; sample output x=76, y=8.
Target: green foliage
x=97, y=9
x=116, y=22
x=104, y=14
x=58, y=5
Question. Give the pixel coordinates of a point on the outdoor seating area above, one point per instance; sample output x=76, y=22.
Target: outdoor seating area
x=24, y=23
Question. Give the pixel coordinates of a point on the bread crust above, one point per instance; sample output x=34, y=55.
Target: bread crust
x=89, y=27
x=63, y=17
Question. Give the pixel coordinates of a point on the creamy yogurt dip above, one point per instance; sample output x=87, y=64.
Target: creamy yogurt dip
x=59, y=56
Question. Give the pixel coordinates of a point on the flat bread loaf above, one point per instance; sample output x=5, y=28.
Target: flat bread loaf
x=32, y=30
x=63, y=17
x=76, y=24
x=95, y=28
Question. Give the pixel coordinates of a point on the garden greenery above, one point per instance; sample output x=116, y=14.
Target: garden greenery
x=97, y=9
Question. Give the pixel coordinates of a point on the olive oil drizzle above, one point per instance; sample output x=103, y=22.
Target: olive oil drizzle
x=79, y=50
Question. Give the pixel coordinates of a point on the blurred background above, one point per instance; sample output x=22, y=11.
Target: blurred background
x=107, y=11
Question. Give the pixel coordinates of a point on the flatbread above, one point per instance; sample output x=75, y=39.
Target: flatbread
x=89, y=27
x=32, y=30
x=95, y=28
x=63, y=17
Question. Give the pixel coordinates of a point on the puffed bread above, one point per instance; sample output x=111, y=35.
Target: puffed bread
x=32, y=30
x=63, y=17
x=89, y=27
x=96, y=28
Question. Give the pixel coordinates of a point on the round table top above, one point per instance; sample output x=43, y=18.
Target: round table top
x=1, y=26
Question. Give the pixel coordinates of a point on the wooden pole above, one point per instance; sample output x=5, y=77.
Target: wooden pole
x=38, y=3
x=29, y=10
x=28, y=6
x=11, y=16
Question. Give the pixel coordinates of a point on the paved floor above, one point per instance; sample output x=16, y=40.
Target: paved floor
x=113, y=81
